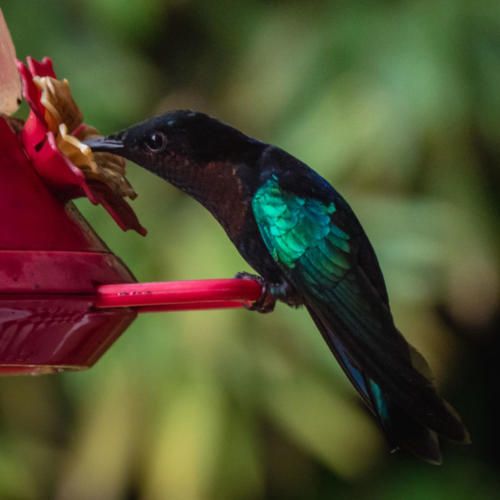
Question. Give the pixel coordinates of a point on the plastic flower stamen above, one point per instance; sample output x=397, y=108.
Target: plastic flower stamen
x=63, y=116
x=52, y=138
x=58, y=102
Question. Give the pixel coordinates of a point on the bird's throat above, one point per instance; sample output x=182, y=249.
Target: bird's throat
x=216, y=185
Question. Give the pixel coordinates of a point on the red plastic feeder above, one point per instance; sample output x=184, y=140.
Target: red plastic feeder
x=64, y=297
x=51, y=261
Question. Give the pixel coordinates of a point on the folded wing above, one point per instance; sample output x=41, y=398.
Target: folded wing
x=344, y=291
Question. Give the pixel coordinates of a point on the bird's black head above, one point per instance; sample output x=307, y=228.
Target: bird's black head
x=207, y=159
x=176, y=140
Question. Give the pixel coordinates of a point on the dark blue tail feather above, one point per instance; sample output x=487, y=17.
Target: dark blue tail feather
x=401, y=428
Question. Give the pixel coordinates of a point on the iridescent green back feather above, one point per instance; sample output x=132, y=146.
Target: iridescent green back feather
x=299, y=230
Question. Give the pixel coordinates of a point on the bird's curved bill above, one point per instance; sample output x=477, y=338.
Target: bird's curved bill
x=104, y=144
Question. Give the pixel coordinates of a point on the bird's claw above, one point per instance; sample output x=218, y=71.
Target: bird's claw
x=266, y=302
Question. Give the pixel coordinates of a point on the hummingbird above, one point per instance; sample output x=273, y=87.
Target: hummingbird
x=309, y=249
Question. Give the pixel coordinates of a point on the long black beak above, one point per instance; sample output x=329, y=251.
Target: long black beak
x=104, y=144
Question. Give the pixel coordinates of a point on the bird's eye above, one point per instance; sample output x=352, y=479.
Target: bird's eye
x=156, y=142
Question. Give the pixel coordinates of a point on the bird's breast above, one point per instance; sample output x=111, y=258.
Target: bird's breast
x=222, y=189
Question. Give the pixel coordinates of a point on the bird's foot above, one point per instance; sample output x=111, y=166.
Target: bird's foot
x=266, y=302
x=270, y=293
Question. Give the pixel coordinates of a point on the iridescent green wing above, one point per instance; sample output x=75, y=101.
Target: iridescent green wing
x=315, y=256
x=299, y=233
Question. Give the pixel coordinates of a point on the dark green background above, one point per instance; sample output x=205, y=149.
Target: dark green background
x=397, y=104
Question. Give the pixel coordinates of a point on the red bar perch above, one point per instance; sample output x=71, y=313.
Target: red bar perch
x=179, y=295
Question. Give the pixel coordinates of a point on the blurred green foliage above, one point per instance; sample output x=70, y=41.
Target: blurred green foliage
x=397, y=104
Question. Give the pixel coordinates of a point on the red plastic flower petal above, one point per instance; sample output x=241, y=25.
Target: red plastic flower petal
x=42, y=137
